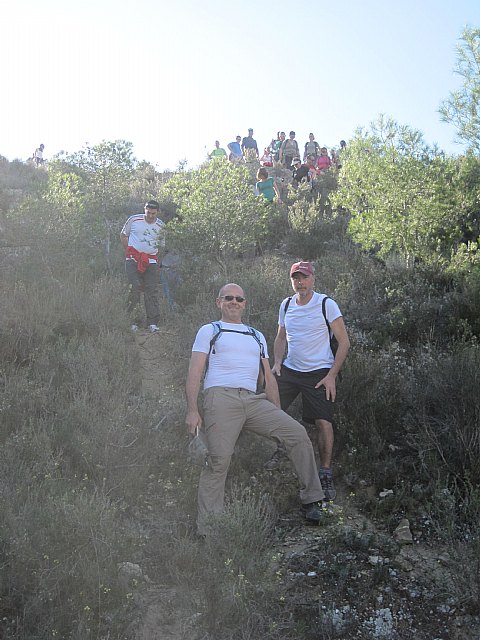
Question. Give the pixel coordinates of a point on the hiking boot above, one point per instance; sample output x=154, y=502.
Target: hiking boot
x=134, y=328
x=312, y=512
x=328, y=486
x=279, y=456
x=153, y=328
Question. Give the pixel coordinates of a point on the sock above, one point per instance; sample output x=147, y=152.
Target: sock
x=324, y=471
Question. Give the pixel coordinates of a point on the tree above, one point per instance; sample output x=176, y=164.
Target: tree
x=403, y=197
x=218, y=214
x=107, y=169
x=462, y=109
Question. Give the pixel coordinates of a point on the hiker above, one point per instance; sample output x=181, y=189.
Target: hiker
x=235, y=357
x=38, y=155
x=341, y=151
x=299, y=172
x=218, y=152
x=305, y=323
x=235, y=150
x=267, y=187
x=311, y=163
x=142, y=236
x=276, y=145
x=249, y=143
x=323, y=160
x=289, y=150
x=312, y=148
x=267, y=159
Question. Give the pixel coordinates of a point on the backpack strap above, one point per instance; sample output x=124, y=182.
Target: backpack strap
x=251, y=332
x=331, y=335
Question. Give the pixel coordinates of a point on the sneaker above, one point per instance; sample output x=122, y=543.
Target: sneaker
x=312, y=512
x=153, y=328
x=279, y=456
x=134, y=328
x=328, y=486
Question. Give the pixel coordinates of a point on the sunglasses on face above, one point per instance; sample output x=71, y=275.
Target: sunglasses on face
x=231, y=298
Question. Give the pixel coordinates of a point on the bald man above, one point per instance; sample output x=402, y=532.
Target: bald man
x=234, y=357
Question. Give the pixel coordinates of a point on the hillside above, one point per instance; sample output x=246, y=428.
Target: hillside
x=97, y=496
x=351, y=577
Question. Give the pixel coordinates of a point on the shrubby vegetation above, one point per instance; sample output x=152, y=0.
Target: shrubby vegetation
x=93, y=473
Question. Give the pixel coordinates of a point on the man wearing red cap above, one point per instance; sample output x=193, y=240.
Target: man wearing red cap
x=306, y=323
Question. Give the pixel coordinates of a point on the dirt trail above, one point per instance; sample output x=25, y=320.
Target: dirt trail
x=155, y=363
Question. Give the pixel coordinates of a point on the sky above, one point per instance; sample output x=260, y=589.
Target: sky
x=173, y=77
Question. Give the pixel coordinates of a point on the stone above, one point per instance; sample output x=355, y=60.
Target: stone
x=402, y=533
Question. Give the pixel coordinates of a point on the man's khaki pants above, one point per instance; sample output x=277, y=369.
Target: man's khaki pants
x=226, y=412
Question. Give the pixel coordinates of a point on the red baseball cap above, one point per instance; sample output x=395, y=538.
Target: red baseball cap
x=302, y=267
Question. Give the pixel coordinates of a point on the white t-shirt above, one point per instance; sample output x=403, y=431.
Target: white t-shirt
x=307, y=333
x=142, y=236
x=235, y=358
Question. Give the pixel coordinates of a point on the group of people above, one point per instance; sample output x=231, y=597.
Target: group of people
x=305, y=167
x=281, y=149
x=233, y=359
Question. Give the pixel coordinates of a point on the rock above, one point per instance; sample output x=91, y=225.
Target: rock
x=402, y=533
x=127, y=572
x=385, y=493
x=402, y=563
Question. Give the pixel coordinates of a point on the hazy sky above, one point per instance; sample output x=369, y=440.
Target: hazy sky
x=172, y=77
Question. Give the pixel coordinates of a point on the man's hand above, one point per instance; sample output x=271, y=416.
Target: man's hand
x=193, y=421
x=330, y=387
x=276, y=370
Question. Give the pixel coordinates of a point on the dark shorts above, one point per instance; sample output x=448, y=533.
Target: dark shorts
x=315, y=404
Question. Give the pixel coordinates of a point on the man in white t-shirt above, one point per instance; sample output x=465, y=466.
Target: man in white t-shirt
x=38, y=155
x=142, y=236
x=235, y=358
x=306, y=322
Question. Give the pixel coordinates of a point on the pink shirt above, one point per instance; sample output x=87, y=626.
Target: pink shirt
x=323, y=163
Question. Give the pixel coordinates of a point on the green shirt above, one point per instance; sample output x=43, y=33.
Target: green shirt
x=265, y=187
x=218, y=153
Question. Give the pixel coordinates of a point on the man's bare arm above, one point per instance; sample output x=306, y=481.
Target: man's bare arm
x=192, y=387
x=279, y=347
x=124, y=240
x=271, y=387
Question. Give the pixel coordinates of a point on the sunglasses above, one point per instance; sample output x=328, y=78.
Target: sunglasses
x=231, y=298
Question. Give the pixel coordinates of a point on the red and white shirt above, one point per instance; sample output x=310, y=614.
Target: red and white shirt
x=143, y=236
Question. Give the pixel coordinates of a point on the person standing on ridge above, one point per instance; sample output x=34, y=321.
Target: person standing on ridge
x=289, y=150
x=312, y=148
x=306, y=322
x=142, y=236
x=235, y=150
x=38, y=155
x=277, y=145
x=235, y=358
x=249, y=143
x=218, y=152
